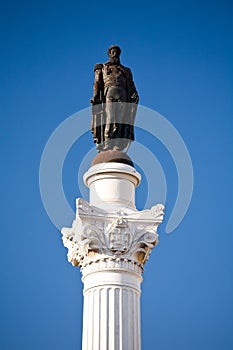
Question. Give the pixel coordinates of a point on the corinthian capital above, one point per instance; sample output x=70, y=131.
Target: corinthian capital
x=99, y=234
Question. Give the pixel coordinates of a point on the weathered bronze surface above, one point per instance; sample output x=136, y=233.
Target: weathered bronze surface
x=114, y=104
x=112, y=156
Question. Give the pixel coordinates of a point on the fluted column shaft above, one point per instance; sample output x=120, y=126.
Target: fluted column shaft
x=111, y=315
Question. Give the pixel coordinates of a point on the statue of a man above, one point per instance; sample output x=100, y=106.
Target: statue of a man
x=114, y=103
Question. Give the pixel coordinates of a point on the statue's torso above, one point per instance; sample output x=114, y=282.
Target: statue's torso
x=114, y=75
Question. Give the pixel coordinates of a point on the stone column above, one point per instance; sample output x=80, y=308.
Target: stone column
x=111, y=306
x=111, y=241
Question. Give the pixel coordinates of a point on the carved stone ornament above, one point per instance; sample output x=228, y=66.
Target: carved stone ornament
x=97, y=235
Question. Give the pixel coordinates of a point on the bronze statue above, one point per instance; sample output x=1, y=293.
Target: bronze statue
x=114, y=104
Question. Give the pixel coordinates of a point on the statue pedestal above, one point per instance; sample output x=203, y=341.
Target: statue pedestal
x=111, y=241
x=112, y=185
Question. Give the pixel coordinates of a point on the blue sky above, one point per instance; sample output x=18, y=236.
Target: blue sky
x=180, y=53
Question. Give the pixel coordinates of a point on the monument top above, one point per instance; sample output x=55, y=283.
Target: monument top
x=114, y=104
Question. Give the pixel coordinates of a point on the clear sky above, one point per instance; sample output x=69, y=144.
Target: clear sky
x=180, y=53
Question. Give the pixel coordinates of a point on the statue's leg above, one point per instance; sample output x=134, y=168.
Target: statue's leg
x=121, y=119
x=108, y=118
x=110, y=112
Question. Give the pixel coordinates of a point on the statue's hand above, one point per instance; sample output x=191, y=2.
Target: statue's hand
x=134, y=98
x=95, y=100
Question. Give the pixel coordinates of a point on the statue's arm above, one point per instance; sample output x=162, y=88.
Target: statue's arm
x=98, y=85
x=133, y=94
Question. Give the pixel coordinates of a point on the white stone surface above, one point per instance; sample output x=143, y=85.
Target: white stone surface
x=111, y=241
x=112, y=311
x=97, y=233
x=112, y=184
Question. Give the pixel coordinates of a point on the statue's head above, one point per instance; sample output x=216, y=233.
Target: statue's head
x=114, y=52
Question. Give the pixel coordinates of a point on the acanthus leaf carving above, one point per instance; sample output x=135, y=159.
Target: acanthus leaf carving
x=96, y=232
